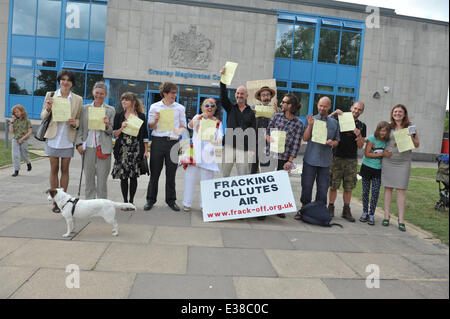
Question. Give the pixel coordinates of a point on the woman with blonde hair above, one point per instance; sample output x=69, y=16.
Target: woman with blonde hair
x=129, y=151
x=397, y=168
x=21, y=128
x=201, y=159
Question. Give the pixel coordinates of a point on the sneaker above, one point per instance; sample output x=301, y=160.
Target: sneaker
x=331, y=210
x=347, y=214
x=186, y=209
x=364, y=218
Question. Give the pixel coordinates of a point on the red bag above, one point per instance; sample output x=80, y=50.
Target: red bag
x=100, y=155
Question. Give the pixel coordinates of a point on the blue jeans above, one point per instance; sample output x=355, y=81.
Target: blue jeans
x=322, y=177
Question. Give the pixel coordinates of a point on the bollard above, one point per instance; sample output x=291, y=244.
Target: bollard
x=7, y=133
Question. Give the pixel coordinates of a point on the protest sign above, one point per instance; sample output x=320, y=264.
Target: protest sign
x=247, y=196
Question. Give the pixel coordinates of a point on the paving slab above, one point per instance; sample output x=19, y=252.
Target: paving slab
x=391, y=266
x=128, y=233
x=8, y=245
x=191, y=236
x=307, y=264
x=322, y=242
x=229, y=262
x=51, y=284
x=425, y=247
x=160, y=216
x=281, y=288
x=430, y=289
x=11, y=278
x=357, y=289
x=55, y=254
x=255, y=238
x=163, y=286
x=276, y=223
x=149, y=258
x=42, y=229
x=381, y=244
x=42, y=211
x=437, y=265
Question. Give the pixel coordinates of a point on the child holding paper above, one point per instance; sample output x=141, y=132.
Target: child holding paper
x=396, y=169
x=201, y=159
x=21, y=128
x=371, y=169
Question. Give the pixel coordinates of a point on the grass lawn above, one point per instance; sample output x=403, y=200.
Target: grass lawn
x=5, y=154
x=421, y=196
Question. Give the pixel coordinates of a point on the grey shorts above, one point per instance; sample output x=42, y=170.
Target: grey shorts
x=59, y=152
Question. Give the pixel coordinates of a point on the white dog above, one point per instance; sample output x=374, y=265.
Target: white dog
x=86, y=208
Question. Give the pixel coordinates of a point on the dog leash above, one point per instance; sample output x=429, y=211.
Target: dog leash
x=81, y=175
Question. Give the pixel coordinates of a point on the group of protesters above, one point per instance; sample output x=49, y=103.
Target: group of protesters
x=327, y=164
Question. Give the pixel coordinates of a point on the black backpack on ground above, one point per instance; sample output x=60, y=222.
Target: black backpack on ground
x=316, y=213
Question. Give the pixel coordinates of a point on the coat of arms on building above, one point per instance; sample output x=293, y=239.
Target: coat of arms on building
x=190, y=50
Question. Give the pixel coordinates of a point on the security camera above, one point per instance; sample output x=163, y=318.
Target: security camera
x=386, y=89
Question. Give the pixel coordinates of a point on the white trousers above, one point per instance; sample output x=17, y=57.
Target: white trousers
x=190, y=182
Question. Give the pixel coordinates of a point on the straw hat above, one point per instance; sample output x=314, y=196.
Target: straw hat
x=264, y=88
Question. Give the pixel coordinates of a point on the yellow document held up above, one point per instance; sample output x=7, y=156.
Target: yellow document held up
x=264, y=111
x=207, y=130
x=319, y=132
x=277, y=145
x=403, y=140
x=134, y=123
x=346, y=122
x=61, y=109
x=227, y=77
x=96, y=118
x=166, y=120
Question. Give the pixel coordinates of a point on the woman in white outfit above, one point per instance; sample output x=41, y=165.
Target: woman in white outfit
x=202, y=161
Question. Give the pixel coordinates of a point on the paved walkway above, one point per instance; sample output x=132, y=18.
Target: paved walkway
x=163, y=254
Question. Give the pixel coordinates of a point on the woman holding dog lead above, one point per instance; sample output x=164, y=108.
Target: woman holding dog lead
x=96, y=144
x=60, y=135
x=130, y=149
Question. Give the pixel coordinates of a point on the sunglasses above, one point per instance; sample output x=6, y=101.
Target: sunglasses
x=210, y=105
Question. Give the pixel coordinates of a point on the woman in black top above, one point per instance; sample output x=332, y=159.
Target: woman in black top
x=129, y=151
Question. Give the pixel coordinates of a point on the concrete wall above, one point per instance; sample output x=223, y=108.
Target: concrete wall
x=4, y=12
x=138, y=36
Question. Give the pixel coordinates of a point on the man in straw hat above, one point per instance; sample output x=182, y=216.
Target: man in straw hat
x=263, y=114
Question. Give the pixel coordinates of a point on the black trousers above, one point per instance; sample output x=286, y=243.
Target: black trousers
x=160, y=155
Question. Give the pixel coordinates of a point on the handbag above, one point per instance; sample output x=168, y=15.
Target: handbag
x=100, y=155
x=42, y=129
x=143, y=166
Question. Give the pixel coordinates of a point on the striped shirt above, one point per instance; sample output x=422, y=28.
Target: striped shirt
x=294, y=134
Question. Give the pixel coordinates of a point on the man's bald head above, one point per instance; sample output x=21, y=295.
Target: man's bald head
x=241, y=95
x=324, y=105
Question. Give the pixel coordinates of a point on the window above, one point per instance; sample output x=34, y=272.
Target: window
x=24, y=17
x=350, y=47
x=284, y=41
x=344, y=103
x=78, y=88
x=49, y=16
x=303, y=97
x=282, y=84
x=21, y=61
x=21, y=81
x=346, y=90
x=326, y=88
x=46, y=63
x=304, y=42
x=329, y=45
x=77, y=20
x=44, y=81
x=98, y=22
x=304, y=86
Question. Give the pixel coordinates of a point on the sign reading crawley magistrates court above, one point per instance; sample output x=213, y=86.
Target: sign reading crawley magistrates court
x=247, y=196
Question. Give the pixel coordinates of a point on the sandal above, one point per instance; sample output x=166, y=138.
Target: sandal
x=401, y=226
x=385, y=222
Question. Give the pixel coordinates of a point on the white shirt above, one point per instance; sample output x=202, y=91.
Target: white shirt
x=179, y=117
x=61, y=140
x=204, y=152
x=92, y=134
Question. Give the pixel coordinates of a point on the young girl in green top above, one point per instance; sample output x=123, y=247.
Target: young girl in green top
x=21, y=128
x=371, y=170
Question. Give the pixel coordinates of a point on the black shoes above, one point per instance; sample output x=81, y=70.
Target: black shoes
x=29, y=167
x=174, y=207
x=15, y=173
x=148, y=205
